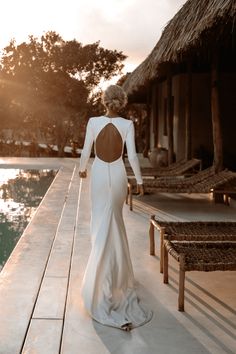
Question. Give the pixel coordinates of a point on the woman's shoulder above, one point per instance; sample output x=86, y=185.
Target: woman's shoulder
x=128, y=122
x=93, y=120
x=96, y=118
x=125, y=121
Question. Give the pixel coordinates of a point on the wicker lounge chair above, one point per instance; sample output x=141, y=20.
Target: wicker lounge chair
x=205, y=181
x=190, y=231
x=149, y=170
x=197, y=245
x=198, y=256
x=176, y=169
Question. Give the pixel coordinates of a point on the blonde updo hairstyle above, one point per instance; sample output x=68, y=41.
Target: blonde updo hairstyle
x=114, y=98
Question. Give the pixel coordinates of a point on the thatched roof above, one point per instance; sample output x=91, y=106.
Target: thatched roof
x=185, y=32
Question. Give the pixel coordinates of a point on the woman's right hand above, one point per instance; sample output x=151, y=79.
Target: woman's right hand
x=83, y=174
x=140, y=189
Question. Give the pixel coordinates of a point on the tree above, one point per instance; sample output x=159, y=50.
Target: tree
x=53, y=83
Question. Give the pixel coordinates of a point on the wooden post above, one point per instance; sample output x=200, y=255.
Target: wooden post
x=165, y=265
x=188, y=152
x=162, y=231
x=170, y=118
x=215, y=114
x=181, y=283
x=155, y=112
x=147, y=132
x=130, y=196
x=127, y=195
x=152, y=236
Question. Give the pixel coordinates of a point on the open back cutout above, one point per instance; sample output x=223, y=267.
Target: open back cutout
x=109, y=143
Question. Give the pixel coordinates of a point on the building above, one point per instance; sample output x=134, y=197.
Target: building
x=189, y=84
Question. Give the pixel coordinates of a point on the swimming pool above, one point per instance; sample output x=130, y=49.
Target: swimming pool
x=21, y=191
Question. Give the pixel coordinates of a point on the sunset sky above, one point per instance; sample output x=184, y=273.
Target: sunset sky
x=131, y=26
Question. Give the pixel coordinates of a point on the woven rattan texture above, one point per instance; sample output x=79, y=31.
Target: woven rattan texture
x=204, y=256
x=175, y=169
x=207, y=181
x=199, y=230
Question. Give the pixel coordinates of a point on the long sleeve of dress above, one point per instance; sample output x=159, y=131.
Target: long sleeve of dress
x=132, y=155
x=88, y=142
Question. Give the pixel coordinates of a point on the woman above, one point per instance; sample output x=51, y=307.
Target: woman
x=108, y=285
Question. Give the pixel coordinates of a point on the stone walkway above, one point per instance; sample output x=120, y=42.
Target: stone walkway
x=40, y=302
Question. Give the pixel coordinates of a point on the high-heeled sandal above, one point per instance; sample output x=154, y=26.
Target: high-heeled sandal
x=127, y=327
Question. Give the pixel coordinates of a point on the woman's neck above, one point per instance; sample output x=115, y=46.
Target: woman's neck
x=111, y=114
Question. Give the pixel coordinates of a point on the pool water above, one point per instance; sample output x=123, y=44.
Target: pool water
x=21, y=191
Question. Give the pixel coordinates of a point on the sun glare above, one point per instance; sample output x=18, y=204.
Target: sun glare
x=7, y=174
x=22, y=18
x=112, y=9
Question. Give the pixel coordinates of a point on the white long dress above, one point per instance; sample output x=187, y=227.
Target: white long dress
x=108, y=285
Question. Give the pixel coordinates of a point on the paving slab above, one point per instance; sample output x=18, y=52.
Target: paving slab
x=43, y=337
x=51, y=298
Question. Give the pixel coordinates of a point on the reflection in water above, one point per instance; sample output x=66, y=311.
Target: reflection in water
x=20, y=193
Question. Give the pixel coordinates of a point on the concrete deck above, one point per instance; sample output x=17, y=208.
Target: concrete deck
x=40, y=302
